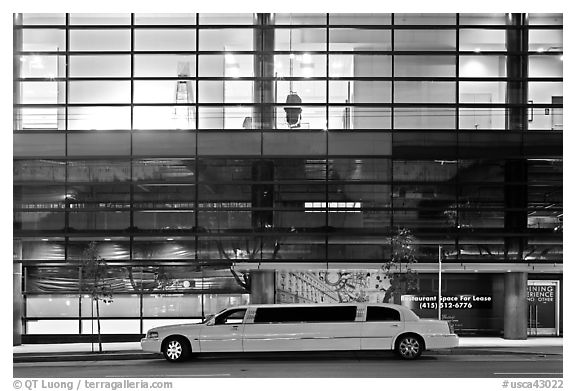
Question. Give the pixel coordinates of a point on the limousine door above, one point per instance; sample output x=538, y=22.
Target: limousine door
x=381, y=326
x=224, y=333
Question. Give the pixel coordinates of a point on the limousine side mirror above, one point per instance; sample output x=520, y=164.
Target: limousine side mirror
x=211, y=321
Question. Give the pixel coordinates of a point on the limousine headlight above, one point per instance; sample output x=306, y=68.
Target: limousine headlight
x=152, y=335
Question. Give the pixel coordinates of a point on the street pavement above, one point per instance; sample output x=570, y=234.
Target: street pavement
x=485, y=362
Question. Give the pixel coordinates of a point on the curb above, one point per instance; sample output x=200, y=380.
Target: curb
x=138, y=355
x=81, y=356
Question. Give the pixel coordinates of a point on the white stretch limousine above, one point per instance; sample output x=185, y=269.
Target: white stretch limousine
x=303, y=327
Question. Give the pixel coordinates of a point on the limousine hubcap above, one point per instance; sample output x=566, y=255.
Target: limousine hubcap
x=409, y=347
x=174, y=350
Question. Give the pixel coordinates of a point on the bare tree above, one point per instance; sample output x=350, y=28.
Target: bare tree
x=398, y=270
x=94, y=282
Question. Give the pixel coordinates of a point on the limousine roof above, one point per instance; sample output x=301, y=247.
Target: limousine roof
x=407, y=313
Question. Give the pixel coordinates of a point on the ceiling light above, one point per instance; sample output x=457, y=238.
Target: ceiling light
x=477, y=50
x=540, y=50
x=107, y=239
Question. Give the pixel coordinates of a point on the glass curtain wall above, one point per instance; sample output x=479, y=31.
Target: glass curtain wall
x=147, y=134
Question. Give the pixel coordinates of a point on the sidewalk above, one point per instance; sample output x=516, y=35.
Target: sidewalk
x=132, y=350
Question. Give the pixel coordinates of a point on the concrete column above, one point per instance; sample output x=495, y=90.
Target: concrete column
x=262, y=286
x=515, y=306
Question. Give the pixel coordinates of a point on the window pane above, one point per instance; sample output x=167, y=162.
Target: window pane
x=424, y=92
x=42, y=92
x=42, y=66
x=104, y=19
x=424, y=118
x=425, y=66
x=99, y=92
x=365, y=18
x=360, y=65
x=300, y=18
x=550, y=18
x=164, y=65
x=86, y=118
x=121, y=306
x=51, y=327
x=170, y=117
x=416, y=18
x=99, y=66
x=300, y=65
x=360, y=118
x=223, y=18
x=164, y=220
x=229, y=65
x=96, y=40
x=543, y=92
x=112, y=326
x=48, y=18
x=425, y=40
x=225, y=91
x=360, y=91
x=359, y=40
x=39, y=170
x=545, y=40
x=300, y=39
x=39, y=40
x=184, y=40
x=99, y=221
x=226, y=39
x=162, y=91
x=545, y=66
x=480, y=18
x=482, y=40
x=164, y=18
x=482, y=66
x=61, y=306
x=39, y=221
x=482, y=92
x=170, y=305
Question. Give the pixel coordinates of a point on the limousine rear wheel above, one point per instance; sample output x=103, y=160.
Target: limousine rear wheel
x=176, y=349
x=409, y=347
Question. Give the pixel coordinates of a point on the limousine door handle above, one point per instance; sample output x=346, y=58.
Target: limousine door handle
x=234, y=327
x=394, y=325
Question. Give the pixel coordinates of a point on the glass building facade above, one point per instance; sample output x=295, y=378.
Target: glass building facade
x=187, y=145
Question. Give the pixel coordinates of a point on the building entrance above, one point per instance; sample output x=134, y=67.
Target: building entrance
x=543, y=307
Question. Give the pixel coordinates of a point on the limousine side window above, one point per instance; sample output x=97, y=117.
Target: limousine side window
x=382, y=314
x=230, y=317
x=305, y=314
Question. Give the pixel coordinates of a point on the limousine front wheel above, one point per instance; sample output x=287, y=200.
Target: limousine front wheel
x=409, y=347
x=175, y=349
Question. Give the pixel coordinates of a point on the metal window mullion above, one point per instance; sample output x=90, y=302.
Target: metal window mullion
x=196, y=125
x=326, y=163
x=392, y=109
x=457, y=133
